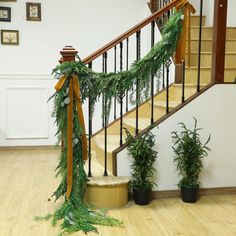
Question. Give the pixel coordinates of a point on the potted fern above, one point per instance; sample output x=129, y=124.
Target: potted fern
x=140, y=149
x=189, y=153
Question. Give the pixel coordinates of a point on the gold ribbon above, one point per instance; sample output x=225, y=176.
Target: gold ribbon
x=74, y=91
x=188, y=9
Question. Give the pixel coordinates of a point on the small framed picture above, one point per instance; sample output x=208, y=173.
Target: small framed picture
x=10, y=37
x=5, y=14
x=33, y=11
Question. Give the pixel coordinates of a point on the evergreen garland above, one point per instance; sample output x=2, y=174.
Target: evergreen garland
x=76, y=215
x=116, y=84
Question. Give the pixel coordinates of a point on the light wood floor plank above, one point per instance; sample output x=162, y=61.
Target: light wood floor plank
x=27, y=182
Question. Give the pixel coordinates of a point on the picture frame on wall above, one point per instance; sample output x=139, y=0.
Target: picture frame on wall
x=9, y=37
x=33, y=11
x=5, y=14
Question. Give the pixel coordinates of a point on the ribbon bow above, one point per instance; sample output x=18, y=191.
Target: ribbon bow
x=74, y=91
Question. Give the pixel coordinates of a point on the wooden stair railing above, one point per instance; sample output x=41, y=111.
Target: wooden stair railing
x=119, y=47
x=132, y=31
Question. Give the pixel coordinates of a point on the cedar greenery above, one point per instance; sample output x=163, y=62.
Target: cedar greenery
x=143, y=157
x=74, y=213
x=189, y=153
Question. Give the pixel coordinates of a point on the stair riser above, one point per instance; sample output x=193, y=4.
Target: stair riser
x=195, y=20
x=206, y=46
x=177, y=94
x=100, y=156
x=191, y=75
x=161, y=110
x=208, y=32
x=206, y=60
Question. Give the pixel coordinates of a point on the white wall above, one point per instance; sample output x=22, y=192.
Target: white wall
x=85, y=24
x=231, y=17
x=25, y=80
x=208, y=11
x=25, y=115
x=215, y=110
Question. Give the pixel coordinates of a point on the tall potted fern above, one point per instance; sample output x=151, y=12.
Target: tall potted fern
x=189, y=153
x=142, y=171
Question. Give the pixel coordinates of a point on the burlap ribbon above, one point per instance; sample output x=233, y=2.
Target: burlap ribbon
x=74, y=92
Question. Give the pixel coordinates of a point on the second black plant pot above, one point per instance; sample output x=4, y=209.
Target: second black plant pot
x=189, y=194
x=142, y=197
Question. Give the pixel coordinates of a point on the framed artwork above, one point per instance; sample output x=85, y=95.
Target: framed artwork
x=10, y=37
x=5, y=14
x=33, y=11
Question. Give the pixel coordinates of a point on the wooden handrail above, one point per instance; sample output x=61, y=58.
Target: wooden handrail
x=133, y=30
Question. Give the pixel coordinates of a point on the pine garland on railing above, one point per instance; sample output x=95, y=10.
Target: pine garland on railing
x=76, y=215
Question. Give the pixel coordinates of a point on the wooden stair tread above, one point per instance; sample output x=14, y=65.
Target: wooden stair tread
x=142, y=122
x=108, y=180
x=208, y=68
x=113, y=142
x=190, y=86
x=172, y=104
x=210, y=53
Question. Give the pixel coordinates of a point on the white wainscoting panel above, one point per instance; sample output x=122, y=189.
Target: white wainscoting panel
x=27, y=113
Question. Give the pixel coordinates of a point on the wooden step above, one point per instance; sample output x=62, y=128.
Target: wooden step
x=230, y=59
x=195, y=19
x=191, y=74
x=176, y=91
x=101, y=191
x=206, y=45
x=207, y=32
x=97, y=168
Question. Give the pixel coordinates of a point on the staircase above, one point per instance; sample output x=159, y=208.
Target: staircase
x=105, y=143
x=206, y=54
x=175, y=92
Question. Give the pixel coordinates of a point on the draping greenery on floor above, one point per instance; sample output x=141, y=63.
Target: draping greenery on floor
x=74, y=213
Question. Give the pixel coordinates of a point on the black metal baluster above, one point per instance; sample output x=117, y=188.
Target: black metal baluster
x=183, y=81
x=105, y=120
x=152, y=76
x=121, y=96
x=115, y=72
x=103, y=70
x=138, y=53
x=90, y=131
x=199, y=48
x=168, y=63
x=127, y=67
x=163, y=75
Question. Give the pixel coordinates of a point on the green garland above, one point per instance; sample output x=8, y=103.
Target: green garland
x=74, y=212
x=93, y=84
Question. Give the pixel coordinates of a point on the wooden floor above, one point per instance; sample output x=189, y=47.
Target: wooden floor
x=27, y=181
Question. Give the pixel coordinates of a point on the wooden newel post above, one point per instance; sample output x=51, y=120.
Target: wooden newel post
x=219, y=39
x=68, y=54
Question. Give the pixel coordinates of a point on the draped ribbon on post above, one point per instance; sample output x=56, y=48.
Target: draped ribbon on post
x=74, y=92
x=188, y=9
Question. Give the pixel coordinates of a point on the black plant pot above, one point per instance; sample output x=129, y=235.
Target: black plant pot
x=142, y=197
x=189, y=194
